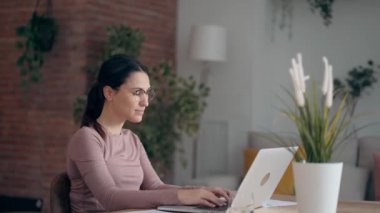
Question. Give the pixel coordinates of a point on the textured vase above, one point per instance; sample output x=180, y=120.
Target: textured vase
x=317, y=186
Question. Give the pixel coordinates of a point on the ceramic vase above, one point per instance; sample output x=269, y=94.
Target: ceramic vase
x=317, y=186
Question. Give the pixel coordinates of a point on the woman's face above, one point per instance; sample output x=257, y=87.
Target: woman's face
x=131, y=99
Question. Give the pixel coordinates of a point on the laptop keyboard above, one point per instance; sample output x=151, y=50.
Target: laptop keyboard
x=214, y=209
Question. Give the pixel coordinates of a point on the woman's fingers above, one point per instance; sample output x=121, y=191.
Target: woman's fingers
x=205, y=202
x=200, y=196
x=216, y=200
x=220, y=192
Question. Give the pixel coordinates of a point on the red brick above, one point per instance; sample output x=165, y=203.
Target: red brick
x=35, y=125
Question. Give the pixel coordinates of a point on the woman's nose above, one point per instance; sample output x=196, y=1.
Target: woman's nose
x=144, y=101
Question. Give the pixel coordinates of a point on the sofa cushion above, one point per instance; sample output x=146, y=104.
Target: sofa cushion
x=249, y=156
x=368, y=146
x=376, y=175
x=353, y=183
x=346, y=152
x=286, y=184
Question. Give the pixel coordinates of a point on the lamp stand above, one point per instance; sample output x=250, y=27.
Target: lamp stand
x=205, y=72
x=195, y=152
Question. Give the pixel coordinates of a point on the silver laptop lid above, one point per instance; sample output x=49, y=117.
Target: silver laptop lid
x=263, y=177
x=258, y=185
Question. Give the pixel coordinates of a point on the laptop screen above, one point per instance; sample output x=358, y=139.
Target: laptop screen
x=258, y=184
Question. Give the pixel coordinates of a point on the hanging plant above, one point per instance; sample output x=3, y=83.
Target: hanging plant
x=324, y=7
x=360, y=81
x=39, y=35
x=286, y=7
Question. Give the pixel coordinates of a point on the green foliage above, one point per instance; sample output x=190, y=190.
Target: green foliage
x=324, y=7
x=360, y=80
x=176, y=109
x=321, y=129
x=39, y=36
x=121, y=39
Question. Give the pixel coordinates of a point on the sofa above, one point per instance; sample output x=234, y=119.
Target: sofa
x=357, y=154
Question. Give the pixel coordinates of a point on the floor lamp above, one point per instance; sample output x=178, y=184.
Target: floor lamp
x=207, y=44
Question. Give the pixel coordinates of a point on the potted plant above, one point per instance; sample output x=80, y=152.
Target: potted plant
x=359, y=81
x=39, y=36
x=324, y=7
x=286, y=7
x=321, y=129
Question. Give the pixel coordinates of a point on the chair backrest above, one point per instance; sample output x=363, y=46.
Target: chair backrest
x=60, y=194
x=20, y=204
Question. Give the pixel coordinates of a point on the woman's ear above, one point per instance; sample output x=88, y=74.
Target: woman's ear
x=108, y=93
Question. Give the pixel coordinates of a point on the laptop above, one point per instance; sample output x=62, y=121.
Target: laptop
x=258, y=184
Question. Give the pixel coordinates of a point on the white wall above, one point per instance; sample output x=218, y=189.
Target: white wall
x=244, y=88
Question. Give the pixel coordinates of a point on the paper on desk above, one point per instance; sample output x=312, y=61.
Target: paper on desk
x=274, y=203
x=146, y=211
x=269, y=203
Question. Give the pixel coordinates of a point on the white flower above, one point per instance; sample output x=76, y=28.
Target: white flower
x=328, y=84
x=302, y=78
x=330, y=88
x=298, y=78
x=325, y=79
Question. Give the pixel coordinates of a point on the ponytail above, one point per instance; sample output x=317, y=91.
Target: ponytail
x=113, y=73
x=94, y=106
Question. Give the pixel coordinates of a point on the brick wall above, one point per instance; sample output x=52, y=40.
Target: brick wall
x=35, y=125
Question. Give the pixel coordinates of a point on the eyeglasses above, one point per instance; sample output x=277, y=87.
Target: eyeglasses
x=138, y=93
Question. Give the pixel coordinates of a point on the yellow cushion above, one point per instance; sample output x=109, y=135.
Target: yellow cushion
x=286, y=184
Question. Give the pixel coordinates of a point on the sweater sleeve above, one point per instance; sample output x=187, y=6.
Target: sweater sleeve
x=86, y=151
x=151, y=179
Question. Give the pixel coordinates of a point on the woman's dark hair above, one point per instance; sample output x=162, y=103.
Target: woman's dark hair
x=113, y=73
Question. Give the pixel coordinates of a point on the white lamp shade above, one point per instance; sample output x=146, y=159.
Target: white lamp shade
x=208, y=43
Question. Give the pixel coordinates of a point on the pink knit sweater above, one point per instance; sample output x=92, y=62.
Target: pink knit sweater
x=113, y=174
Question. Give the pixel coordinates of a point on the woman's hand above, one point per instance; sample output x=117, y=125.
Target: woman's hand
x=221, y=192
x=203, y=196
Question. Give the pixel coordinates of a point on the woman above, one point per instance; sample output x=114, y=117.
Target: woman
x=107, y=165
